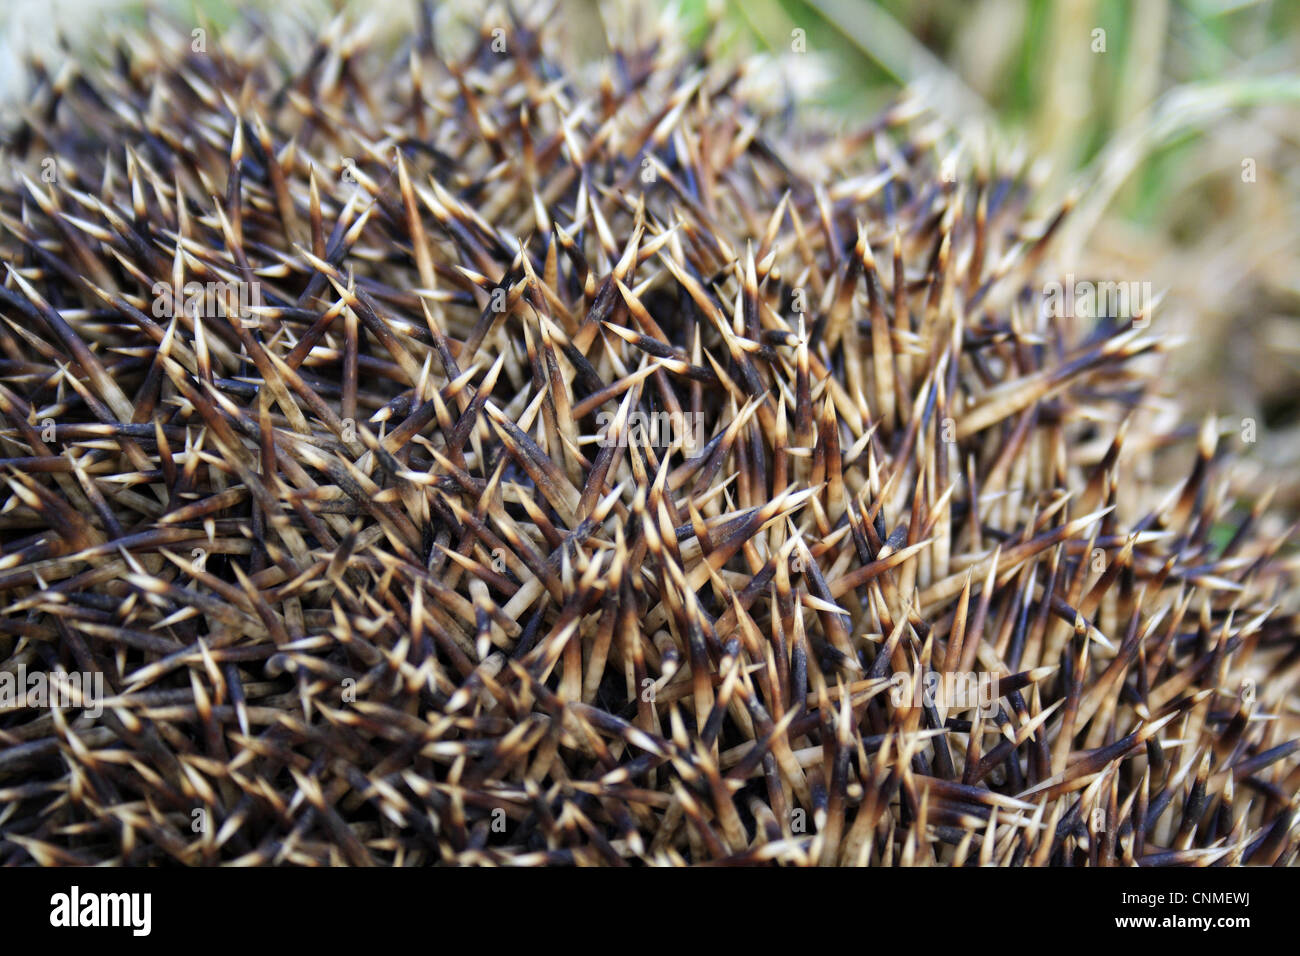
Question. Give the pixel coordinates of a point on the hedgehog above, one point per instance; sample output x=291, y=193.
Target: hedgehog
x=436, y=451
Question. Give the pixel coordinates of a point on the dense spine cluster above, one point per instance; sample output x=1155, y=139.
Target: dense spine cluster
x=478, y=459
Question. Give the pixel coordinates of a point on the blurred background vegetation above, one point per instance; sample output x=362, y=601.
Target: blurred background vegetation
x=1177, y=122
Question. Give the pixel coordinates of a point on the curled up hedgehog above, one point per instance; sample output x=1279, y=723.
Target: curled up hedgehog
x=426, y=457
